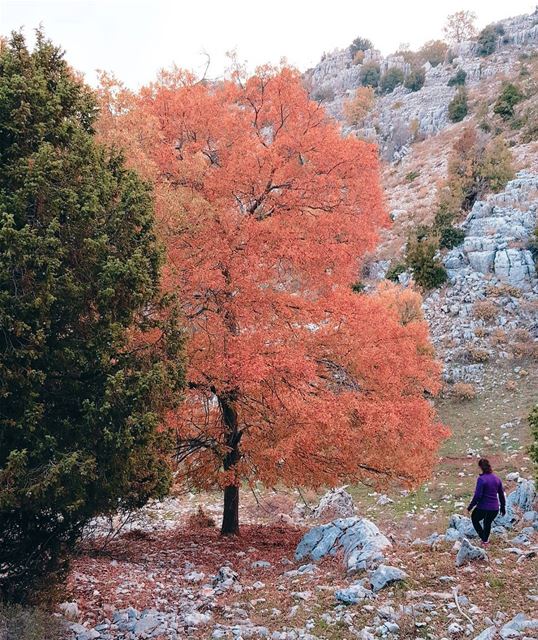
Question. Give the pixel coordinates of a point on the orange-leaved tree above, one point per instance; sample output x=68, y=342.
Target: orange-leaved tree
x=265, y=211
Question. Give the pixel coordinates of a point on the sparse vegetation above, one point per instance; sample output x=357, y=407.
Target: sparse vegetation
x=360, y=44
x=357, y=108
x=485, y=310
x=370, y=74
x=394, y=271
x=487, y=41
x=391, y=79
x=458, y=80
x=434, y=52
x=458, y=107
x=450, y=237
x=464, y=391
x=415, y=79
x=29, y=623
x=510, y=96
x=533, y=422
x=422, y=260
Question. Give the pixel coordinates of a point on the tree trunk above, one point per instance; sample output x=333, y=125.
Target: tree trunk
x=230, y=516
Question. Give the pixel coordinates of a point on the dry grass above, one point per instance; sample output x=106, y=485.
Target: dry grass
x=485, y=310
x=464, y=391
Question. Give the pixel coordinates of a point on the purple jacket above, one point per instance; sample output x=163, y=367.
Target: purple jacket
x=488, y=493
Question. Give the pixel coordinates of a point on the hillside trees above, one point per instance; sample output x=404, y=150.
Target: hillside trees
x=460, y=26
x=266, y=211
x=90, y=354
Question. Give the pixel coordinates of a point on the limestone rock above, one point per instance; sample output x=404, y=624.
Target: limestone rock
x=385, y=575
x=362, y=542
x=336, y=503
x=469, y=552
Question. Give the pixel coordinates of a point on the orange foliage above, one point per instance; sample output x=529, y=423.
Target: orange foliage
x=359, y=106
x=265, y=212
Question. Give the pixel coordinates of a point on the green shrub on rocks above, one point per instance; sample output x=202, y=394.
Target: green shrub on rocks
x=421, y=259
x=458, y=80
x=415, y=79
x=458, y=107
x=370, y=74
x=391, y=79
x=510, y=96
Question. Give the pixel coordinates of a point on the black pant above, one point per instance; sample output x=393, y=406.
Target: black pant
x=488, y=517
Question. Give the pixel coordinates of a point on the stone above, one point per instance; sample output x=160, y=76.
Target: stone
x=148, y=623
x=520, y=623
x=225, y=578
x=462, y=525
x=487, y=634
x=195, y=618
x=469, y=552
x=385, y=575
x=335, y=503
x=362, y=542
x=261, y=564
x=83, y=633
x=353, y=594
x=70, y=610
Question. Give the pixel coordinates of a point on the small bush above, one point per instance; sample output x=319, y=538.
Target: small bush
x=325, y=93
x=428, y=272
x=464, y=391
x=370, y=74
x=477, y=354
x=511, y=385
x=411, y=176
x=499, y=337
x=360, y=44
x=504, y=289
x=434, y=52
x=359, y=106
x=451, y=237
x=507, y=100
x=495, y=168
x=458, y=107
x=358, y=58
x=29, y=623
x=200, y=519
x=485, y=310
x=415, y=79
x=487, y=41
x=394, y=271
x=530, y=126
x=391, y=79
x=358, y=287
x=458, y=80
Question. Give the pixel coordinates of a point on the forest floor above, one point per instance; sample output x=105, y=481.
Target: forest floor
x=167, y=559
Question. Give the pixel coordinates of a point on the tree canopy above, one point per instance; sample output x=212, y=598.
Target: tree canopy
x=90, y=351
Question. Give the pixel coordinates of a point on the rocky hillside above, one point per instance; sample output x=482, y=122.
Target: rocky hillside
x=487, y=313
x=403, y=116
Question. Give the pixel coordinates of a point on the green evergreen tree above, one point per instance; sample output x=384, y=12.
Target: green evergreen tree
x=507, y=100
x=458, y=107
x=90, y=350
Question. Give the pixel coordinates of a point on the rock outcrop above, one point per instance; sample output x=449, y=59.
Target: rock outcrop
x=362, y=542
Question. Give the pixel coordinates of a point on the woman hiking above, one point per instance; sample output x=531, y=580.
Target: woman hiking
x=488, y=496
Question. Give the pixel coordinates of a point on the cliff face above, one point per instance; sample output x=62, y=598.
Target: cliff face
x=404, y=116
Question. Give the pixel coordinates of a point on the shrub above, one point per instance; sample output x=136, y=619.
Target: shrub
x=200, y=519
x=477, y=354
x=325, y=93
x=458, y=107
x=434, y=52
x=495, y=168
x=370, y=74
x=391, y=79
x=503, y=289
x=451, y=237
x=358, y=287
x=394, y=271
x=415, y=79
x=79, y=277
x=533, y=423
x=464, y=391
x=358, y=58
x=357, y=108
x=29, y=623
x=411, y=176
x=487, y=41
x=485, y=310
x=458, y=80
x=507, y=100
x=421, y=258
x=360, y=44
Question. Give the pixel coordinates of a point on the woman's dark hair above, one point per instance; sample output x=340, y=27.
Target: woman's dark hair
x=484, y=464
